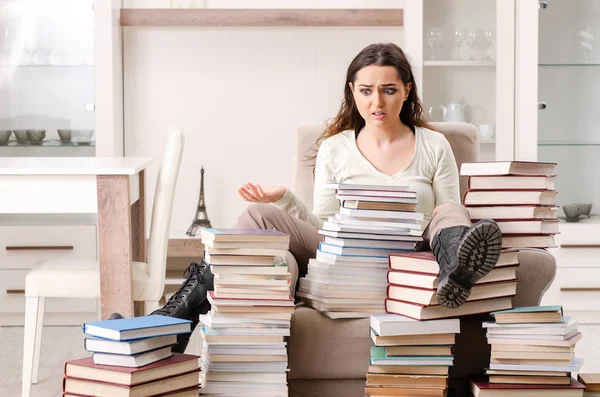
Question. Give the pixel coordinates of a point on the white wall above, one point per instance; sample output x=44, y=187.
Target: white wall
x=239, y=94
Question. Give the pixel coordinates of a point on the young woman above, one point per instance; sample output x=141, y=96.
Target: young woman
x=378, y=137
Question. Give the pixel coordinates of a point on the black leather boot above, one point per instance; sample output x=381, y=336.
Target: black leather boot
x=465, y=254
x=191, y=299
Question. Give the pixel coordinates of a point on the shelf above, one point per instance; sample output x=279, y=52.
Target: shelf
x=45, y=66
x=46, y=143
x=487, y=141
x=575, y=65
x=460, y=63
x=261, y=17
x=567, y=143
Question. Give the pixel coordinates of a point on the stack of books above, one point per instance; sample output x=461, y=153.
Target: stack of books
x=244, y=351
x=347, y=279
x=591, y=381
x=410, y=358
x=532, y=346
x=132, y=357
x=413, y=279
x=520, y=196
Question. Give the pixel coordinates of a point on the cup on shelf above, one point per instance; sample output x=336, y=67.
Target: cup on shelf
x=487, y=131
x=36, y=137
x=5, y=136
x=82, y=137
x=21, y=136
x=65, y=135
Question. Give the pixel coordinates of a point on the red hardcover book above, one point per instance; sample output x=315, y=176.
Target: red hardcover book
x=155, y=388
x=422, y=312
x=191, y=392
x=177, y=364
x=480, y=387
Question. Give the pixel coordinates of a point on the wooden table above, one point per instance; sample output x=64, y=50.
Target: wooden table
x=113, y=188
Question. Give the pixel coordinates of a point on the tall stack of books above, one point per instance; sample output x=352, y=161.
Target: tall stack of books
x=413, y=279
x=348, y=276
x=410, y=358
x=244, y=351
x=520, y=196
x=132, y=357
x=532, y=346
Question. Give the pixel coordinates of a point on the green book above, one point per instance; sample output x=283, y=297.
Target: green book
x=378, y=353
x=530, y=314
x=531, y=309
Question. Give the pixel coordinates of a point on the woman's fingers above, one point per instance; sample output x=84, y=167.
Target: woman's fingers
x=245, y=195
x=260, y=191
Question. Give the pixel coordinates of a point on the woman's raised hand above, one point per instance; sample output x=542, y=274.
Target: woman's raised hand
x=255, y=193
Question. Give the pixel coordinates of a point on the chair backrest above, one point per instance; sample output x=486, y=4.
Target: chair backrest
x=162, y=209
x=463, y=138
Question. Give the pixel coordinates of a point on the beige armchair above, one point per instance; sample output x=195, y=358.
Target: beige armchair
x=330, y=357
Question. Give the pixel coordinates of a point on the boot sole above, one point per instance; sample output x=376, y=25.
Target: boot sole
x=478, y=253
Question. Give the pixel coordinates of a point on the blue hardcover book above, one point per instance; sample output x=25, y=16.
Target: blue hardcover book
x=137, y=327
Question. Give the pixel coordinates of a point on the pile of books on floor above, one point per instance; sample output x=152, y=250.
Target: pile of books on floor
x=244, y=352
x=410, y=358
x=520, y=196
x=348, y=276
x=132, y=357
x=413, y=279
x=533, y=349
x=591, y=381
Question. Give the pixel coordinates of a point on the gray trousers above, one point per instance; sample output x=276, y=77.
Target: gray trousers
x=304, y=240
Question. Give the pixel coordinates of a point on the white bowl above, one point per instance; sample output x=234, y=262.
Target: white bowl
x=82, y=137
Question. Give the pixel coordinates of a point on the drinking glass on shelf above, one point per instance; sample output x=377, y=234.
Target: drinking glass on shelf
x=465, y=51
x=436, y=42
x=489, y=38
x=457, y=35
x=479, y=50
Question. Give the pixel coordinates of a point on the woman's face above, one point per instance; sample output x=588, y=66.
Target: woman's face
x=379, y=94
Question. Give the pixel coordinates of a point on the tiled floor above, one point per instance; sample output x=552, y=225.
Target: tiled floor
x=60, y=344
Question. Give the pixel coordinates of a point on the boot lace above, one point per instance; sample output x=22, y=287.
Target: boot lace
x=194, y=275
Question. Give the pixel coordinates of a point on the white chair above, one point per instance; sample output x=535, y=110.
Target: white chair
x=81, y=279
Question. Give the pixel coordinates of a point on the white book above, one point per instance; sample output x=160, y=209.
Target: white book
x=511, y=182
x=532, y=336
x=355, y=186
x=335, y=259
x=509, y=340
x=128, y=347
x=512, y=212
x=405, y=226
x=135, y=361
x=408, y=199
x=368, y=236
x=334, y=226
x=508, y=197
x=245, y=251
x=573, y=366
x=381, y=214
x=382, y=253
x=225, y=270
x=244, y=377
x=508, y=168
x=568, y=325
x=394, y=324
x=361, y=243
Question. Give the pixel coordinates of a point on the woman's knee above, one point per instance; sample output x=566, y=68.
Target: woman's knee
x=258, y=215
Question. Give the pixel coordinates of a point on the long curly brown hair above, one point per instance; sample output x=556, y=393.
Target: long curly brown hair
x=348, y=118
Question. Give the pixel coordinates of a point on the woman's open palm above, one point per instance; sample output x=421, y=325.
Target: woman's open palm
x=256, y=193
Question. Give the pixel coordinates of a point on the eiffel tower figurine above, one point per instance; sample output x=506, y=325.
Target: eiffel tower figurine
x=201, y=218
